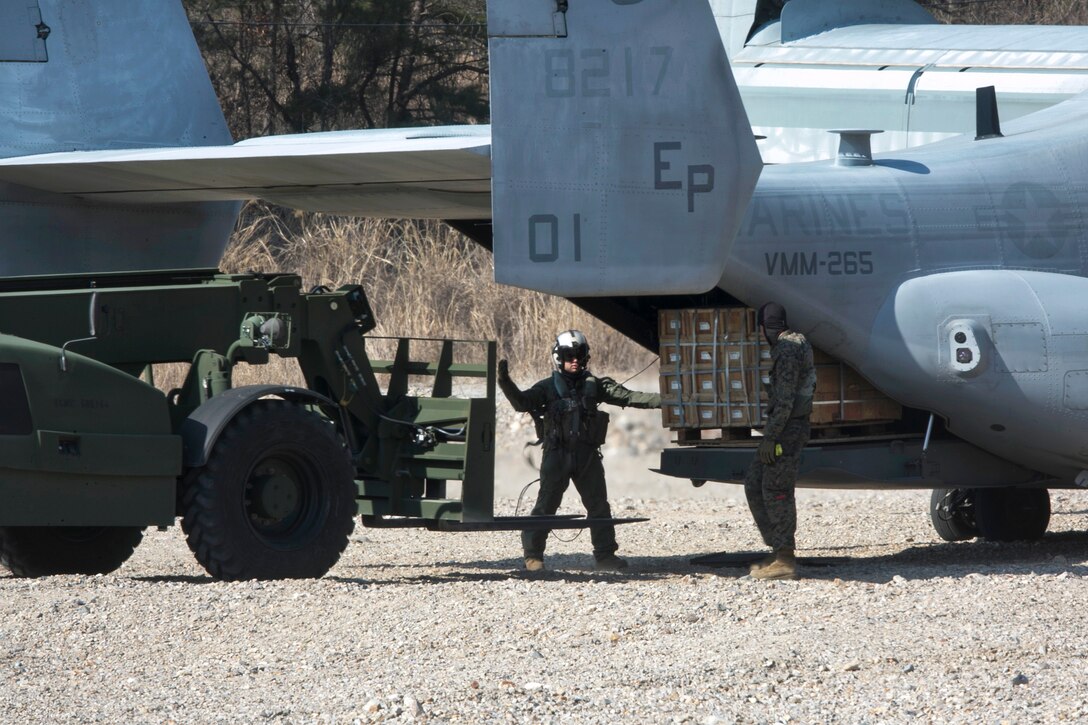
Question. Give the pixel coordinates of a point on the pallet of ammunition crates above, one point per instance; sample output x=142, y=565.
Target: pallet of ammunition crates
x=715, y=364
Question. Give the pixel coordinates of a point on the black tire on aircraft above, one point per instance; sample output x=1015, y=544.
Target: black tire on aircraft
x=952, y=512
x=276, y=499
x=1012, y=514
x=32, y=551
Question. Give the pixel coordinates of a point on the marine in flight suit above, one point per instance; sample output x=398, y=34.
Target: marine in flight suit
x=572, y=429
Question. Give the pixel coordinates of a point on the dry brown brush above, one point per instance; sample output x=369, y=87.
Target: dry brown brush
x=423, y=279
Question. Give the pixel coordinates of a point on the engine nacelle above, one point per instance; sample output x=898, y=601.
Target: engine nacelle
x=1002, y=355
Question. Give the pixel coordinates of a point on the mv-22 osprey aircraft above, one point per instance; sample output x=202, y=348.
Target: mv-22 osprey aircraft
x=621, y=171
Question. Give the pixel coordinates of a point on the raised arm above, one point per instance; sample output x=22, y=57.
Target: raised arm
x=521, y=401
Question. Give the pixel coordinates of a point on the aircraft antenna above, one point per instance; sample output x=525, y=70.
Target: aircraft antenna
x=987, y=122
x=855, y=147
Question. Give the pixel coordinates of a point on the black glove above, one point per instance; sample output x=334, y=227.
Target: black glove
x=766, y=451
x=504, y=370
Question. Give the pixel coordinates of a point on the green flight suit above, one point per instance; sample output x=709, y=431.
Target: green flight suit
x=770, y=489
x=572, y=432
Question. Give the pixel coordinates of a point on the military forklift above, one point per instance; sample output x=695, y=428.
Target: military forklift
x=266, y=479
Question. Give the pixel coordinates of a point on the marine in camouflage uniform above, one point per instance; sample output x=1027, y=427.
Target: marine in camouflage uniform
x=771, y=478
x=572, y=429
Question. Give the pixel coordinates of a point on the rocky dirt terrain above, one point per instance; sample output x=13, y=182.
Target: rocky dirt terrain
x=892, y=626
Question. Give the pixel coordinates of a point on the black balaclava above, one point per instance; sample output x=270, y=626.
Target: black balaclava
x=772, y=316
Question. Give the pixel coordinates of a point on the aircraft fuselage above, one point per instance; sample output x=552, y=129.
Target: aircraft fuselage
x=950, y=276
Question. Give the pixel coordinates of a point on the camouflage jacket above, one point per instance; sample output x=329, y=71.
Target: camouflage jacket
x=793, y=382
x=565, y=410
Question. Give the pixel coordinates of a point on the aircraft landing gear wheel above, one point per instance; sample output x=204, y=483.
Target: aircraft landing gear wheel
x=276, y=499
x=952, y=511
x=1012, y=514
x=32, y=551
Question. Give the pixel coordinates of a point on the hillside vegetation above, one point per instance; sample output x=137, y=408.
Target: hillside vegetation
x=423, y=279
x=1010, y=12
x=285, y=66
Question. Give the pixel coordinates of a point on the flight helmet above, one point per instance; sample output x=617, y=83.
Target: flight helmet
x=570, y=345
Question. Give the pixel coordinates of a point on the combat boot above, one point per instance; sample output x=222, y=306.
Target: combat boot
x=763, y=563
x=610, y=563
x=534, y=564
x=784, y=566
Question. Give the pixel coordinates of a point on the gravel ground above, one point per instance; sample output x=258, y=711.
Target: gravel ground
x=446, y=627
x=431, y=627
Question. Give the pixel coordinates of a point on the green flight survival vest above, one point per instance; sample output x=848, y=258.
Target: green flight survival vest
x=571, y=415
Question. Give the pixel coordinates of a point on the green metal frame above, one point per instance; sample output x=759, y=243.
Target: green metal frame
x=417, y=461
x=105, y=448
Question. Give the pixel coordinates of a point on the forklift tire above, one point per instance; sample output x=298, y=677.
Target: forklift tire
x=32, y=551
x=276, y=499
x=951, y=510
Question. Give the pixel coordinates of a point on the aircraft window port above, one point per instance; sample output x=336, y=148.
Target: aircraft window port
x=964, y=354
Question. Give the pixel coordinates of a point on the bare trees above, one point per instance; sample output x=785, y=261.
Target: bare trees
x=1010, y=12
x=283, y=66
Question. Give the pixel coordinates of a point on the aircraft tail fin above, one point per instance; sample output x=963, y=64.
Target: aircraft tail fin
x=83, y=75
x=622, y=157
x=86, y=75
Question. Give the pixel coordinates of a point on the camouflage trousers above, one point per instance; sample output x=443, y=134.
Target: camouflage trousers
x=557, y=468
x=769, y=489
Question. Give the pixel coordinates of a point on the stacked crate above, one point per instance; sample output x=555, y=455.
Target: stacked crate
x=715, y=364
x=843, y=397
x=711, y=365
